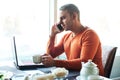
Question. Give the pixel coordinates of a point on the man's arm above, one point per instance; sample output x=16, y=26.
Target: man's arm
x=51, y=41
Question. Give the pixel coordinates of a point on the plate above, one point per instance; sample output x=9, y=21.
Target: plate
x=94, y=78
x=5, y=74
x=60, y=73
x=78, y=78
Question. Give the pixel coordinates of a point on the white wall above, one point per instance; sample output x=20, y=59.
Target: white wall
x=101, y=15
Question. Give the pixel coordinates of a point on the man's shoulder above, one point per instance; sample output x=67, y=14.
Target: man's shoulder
x=88, y=29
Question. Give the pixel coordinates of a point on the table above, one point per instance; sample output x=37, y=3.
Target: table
x=19, y=74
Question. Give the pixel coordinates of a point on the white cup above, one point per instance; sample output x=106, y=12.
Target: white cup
x=37, y=58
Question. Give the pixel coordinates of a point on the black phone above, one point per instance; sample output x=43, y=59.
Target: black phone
x=60, y=27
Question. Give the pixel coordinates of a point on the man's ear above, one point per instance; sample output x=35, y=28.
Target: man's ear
x=74, y=15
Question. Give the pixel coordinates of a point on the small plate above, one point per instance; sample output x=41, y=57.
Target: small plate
x=78, y=78
x=6, y=74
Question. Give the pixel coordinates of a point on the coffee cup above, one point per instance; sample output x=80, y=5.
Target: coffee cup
x=37, y=58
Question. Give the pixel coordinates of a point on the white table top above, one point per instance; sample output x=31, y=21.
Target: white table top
x=19, y=74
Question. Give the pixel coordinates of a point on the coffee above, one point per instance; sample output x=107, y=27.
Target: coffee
x=37, y=59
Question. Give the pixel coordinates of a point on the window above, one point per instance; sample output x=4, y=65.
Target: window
x=100, y=15
x=28, y=18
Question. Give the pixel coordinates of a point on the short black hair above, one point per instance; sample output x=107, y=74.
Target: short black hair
x=71, y=8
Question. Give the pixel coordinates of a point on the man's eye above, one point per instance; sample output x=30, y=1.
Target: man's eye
x=62, y=18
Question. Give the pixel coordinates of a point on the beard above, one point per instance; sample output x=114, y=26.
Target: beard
x=69, y=26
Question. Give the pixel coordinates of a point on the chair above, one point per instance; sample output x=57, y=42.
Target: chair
x=108, y=55
x=118, y=78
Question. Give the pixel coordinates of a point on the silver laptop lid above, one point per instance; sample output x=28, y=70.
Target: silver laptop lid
x=23, y=52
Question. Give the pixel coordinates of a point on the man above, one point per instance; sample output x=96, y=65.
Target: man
x=79, y=45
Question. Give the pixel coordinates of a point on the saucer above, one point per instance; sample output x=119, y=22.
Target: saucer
x=78, y=78
x=100, y=78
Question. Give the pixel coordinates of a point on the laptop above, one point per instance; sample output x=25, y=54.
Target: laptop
x=22, y=64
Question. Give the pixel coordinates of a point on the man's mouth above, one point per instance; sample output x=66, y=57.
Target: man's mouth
x=63, y=26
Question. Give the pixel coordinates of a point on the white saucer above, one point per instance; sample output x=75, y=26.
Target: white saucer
x=97, y=78
x=78, y=78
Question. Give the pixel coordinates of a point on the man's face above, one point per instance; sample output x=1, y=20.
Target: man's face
x=66, y=20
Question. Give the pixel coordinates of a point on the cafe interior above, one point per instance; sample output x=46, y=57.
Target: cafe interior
x=31, y=21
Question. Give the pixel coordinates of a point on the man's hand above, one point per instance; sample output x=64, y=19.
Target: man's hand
x=55, y=30
x=47, y=60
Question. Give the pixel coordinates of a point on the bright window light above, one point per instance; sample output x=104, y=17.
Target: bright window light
x=28, y=18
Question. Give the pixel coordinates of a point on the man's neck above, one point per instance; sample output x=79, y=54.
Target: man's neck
x=78, y=30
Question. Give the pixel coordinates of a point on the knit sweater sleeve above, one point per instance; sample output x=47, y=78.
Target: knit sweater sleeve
x=55, y=49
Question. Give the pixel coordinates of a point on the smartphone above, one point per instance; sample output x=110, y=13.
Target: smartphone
x=60, y=27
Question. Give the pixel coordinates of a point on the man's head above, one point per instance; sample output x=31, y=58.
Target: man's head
x=69, y=16
x=71, y=9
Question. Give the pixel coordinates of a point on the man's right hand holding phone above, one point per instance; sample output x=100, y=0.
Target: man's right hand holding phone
x=59, y=27
x=56, y=28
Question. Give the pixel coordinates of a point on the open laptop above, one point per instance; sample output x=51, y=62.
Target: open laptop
x=21, y=64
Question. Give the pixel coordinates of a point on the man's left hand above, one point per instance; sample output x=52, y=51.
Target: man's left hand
x=47, y=60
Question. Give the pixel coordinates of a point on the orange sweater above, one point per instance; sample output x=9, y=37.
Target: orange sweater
x=86, y=45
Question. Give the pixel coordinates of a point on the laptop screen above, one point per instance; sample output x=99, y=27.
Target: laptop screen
x=24, y=49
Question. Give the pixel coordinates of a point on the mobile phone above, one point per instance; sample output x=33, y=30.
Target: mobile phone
x=60, y=27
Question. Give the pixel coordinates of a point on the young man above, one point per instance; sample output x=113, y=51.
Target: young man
x=79, y=45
